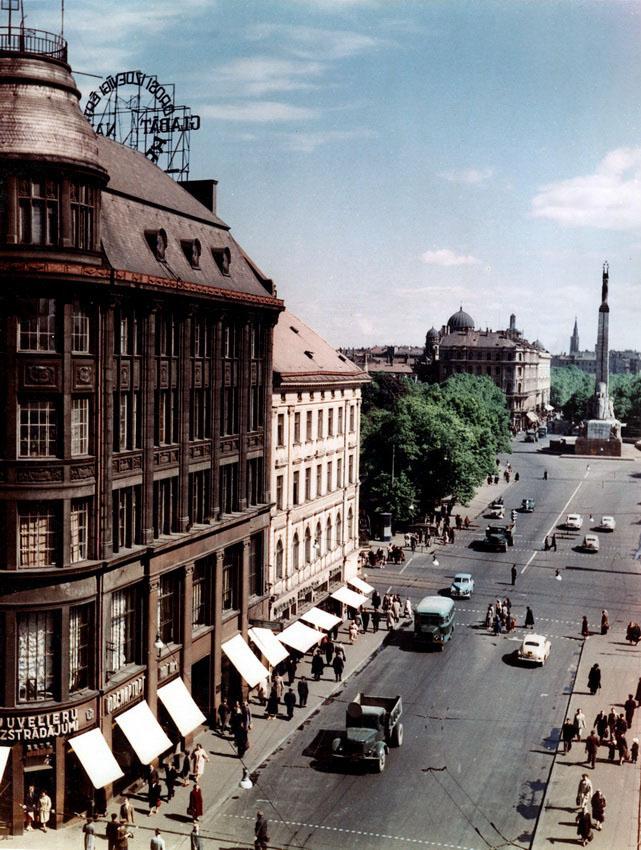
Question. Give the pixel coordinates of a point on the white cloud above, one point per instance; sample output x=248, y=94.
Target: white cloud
x=261, y=111
x=468, y=176
x=259, y=75
x=314, y=43
x=609, y=199
x=447, y=257
x=308, y=142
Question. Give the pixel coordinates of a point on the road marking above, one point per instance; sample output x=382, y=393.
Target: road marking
x=407, y=563
x=530, y=559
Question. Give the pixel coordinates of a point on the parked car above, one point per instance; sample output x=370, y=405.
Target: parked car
x=534, y=649
x=528, y=505
x=462, y=586
x=574, y=521
x=608, y=523
x=591, y=543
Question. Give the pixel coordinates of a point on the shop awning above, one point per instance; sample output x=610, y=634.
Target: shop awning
x=97, y=759
x=239, y=653
x=531, y=417
x=349, y=597
x=361, y=585
x=143, y=732
x=549, y=407
x=321, y=619
x=299, y=636
x=180, y=704
x=4, y=755
x=268, y=645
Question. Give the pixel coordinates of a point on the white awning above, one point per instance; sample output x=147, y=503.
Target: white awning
x=361, y=585
x=548, y=407
x=531, y=417
x=299, y=636
x=180, y=704
x=268, y=645
x=321, y=619
x=239, y=653
x=97, y=759
x=144, y=732
x=4, y=755
x=349, y=597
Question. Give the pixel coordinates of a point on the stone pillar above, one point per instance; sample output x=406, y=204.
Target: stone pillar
x=151, y=655
x=244, y=588
x=188, y=575
x=216, y=660
x=184, y=406
x=148, y=413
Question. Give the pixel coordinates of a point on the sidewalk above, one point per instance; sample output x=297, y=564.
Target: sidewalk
x=620, y=666
x=224, y=771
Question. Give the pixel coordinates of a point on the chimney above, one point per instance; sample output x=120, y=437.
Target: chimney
x=203, y=190
x=512, y=322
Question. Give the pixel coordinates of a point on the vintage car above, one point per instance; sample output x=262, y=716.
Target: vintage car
x=462, y=586
x=495, y=511
x=527, y=506
x=608, y=523
x=590, y=543
x=534, y=649
x=574, y=521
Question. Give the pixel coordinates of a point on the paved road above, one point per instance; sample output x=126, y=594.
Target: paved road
x=479, y=730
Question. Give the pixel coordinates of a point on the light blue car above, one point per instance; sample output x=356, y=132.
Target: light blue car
x=462, y=586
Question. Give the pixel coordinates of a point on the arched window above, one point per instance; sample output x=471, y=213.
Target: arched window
x=279, y=558
x=339, y=529
x=308, y=546
x=296, y=552
x=318, y=541
x=350, y=524
x=328, y=535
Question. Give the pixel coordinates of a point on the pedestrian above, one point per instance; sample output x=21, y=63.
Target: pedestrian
x=279, y=684
x=272, y=700
x=594, y=679
x=290, y=702
x=546, y=544
x=554, y=542
x=184, y=770
x=605, y=622
x=353, y=632
x=622, y=747
x=111, y=832
x=223, y=716
x=127, y=811
x=328, y=647
x=303, y=691
x=513, y=574
x=338, y=665
x=365, y=619
x=612, y=749
x=620, y=725
x=292, y=664
x=584, y=826
x=637, y=695
x=157, y=841
x=261, y=831
x=557, y=575
x=154, y=796
x=44, y=809
x=389, y=617
x=124, y=835
x=592, y=743
x=396, y=608
x=529, y=618
x=584, y=791
x=407, y=611
x=601, y=725
x=568, y=732
x=579, y=723
x=598, y=809
x=241, y=740
x=246, y=713
x=376, y=619
x=198, y=760
x=376, y=600
x=195, y=807
x=585, y=629
x=171, y=775
x=629, y=705
x=89, y=832
x=634, y=750
x=434, y=561
x=340, y=650
x=196, y=839
x=317, y=668
x=30, y=805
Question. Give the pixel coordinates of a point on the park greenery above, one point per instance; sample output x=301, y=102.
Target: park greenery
x=422, y=443
x=572, y=389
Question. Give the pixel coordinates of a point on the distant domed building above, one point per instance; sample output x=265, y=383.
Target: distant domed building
x=460, y=321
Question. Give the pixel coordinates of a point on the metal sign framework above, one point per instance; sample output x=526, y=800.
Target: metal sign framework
x=133, y=108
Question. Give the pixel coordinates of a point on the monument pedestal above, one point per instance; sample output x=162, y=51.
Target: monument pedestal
x=602, y=439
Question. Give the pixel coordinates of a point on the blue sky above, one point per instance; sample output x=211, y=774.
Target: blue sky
x=388, y=160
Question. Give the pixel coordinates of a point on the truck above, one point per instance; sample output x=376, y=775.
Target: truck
x=372, y=726
x=499, y=537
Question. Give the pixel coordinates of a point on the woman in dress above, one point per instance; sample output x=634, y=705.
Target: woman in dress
x=195, y=807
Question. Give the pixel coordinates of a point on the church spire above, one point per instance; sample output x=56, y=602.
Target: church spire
x=574, y=339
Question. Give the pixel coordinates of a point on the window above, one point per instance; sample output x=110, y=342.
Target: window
x=319, y=425
x=280, y=430
x=339, y=472
x=80, y=332
x=199, y=418
x=38, y=202
x=280, y=559
x=308, y=546
x=79, y=531
x=319, y=480
x=256, y=405
x=37, y=328
x=296, y=552
x=339, y=530
x=121, y=337
x=200, y=338
x=165, y=506
x=229, y=488
x=329, y=542
x=37, y=535
x=126, y=518
x=199, y=497
x=122, y=419
x=232, y=568
x=279, y=492
x=80, y=654
x=166, y=335
x=352, y=418
x=123, y=643
x=192, y=250
x=350, y=468
x=330, y=470
x=229, y=390
x=257, y=342
x=318, y=538
x=255, y=493
x=201, y=593
x=340, y=420
x=309, y=418
x=79, y=426
x=297, y=427
x=36, y=656
x=38, y=433
x=330, y=422
x=166, y=417
x=350, y=525
x=169, y=608
x=256, y=571
x=296, y=488
x=83, y=215
x=308, y=483
x=222, y=258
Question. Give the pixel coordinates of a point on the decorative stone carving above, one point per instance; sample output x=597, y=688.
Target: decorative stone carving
x=39, y=375
x=163, y=374
x=198, y=374
x=125, y=376
x=39, y=474
x=83, y=374
x=82, y=471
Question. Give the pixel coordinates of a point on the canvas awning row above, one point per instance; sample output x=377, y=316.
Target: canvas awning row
x=360, y=585
x=239, y=653
x=268, y=645
x=97, y=759
x=349, y=597
x=321, y=619
x=300, y=637
x=4, y=756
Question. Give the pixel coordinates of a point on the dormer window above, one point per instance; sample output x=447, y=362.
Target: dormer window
x=157, y=241
x=222, y=256
x=192, y=249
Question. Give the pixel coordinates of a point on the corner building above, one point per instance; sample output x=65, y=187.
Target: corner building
x=136, y=362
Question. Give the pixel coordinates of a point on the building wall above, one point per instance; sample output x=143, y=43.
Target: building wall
x=313, y=431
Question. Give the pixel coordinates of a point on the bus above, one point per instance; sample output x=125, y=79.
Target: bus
x=434, y=621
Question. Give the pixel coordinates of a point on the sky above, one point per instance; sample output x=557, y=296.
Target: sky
x=387, y=161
